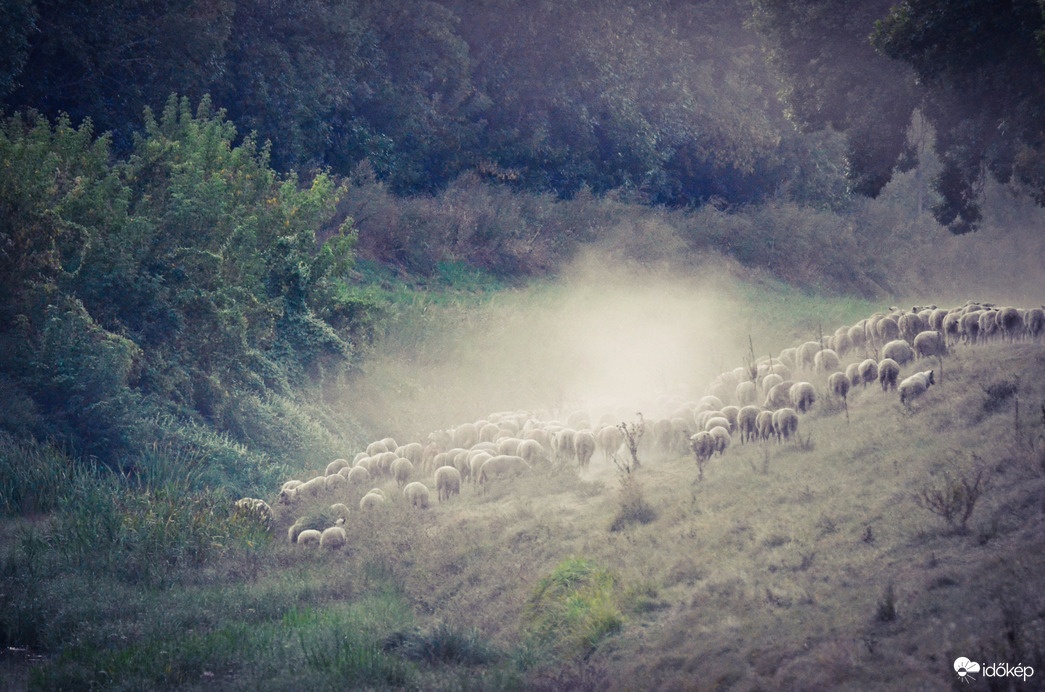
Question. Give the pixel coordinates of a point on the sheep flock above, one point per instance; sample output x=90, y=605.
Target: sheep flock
x=761, y=401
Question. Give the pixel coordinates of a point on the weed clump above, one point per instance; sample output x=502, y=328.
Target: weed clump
x=442, y=644
x=955, y=498
x=633, y=508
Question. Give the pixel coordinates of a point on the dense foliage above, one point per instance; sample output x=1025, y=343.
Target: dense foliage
x=973, y=69
x=174, y=294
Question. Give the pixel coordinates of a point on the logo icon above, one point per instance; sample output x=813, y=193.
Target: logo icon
x=964, y=668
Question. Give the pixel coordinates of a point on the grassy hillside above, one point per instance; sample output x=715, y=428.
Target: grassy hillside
x=807, y=565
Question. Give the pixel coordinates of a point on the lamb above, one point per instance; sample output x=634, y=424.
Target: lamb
x=401, y=470
x=584, y=446
x=447, y=482
x=868, y=371
x=928, y=344
x=333, y=538
x=888, y=373
x=309, y=537
x=952, y=326
x=295, y=530
x=502, y=466
x=826, y=360
x=898, y=350
x=417, y=494
x=803, y=395
x=785, y=423
x=746, y=423
x=914, y=386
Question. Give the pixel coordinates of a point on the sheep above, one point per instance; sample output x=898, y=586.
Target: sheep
x=789, y=357
x=417, y=494
x=970, y=327
x=785, y=423
x=335, y=466
x=868, y=371
x=716, y=421
x=401, y=470
x=465, y=435
x=746, y=393
x=886, y=329
x=508, y=445
x=375, y=448
x=341, y=510
x=888, y=373
x=489, y=432
x=826, y=361
x=839, y=385
x=254, y=510
x=914, y=386
x=358, y=475
x=1034, y=323
x=335, y=482
x=841, y=343
x=780, y=369
x=1010, y=323
x=584, y=446
x=309, y=537
x=447, y=482
x=852, y=372
x=764, y=424
x=806, y=355
x=802, y=396
x=333, y=538
x=746, y=423
x=910, y=325
x=730, y=413
x=703, y=446
x=779, y=396
x=721, y=439
x=857, y=336
x=898, y=350
x=412, y=451
x=709, y=402
x=771, y=380
x=928, y=344
x=952, y=326
x=371, y=500
x=563, y=444
x=474, y=465
x=609, y=439
x=988, y=324
x=502, y=466
x=295, y=530
x=531, y=451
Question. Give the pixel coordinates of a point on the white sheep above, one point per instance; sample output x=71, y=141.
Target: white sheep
x=1010, y=323
x=730, y=413
x=508, y=445
x=721, y=439
x=852, y=371
x=898, y=350
x=447, y=482
x=747, y=393
x=501, y=466
x=716, y=421
x=769, y=381
x=888, y=373
x=473, y=464
x=295, y=530
x=358, y=475
x=412, y=451
x=531, y=451
x=764, y=424
x=806, y=355
x=341, y=510
x=335, y=466
x=914, y=386
x=401, y=470
x=335, y=482
x=868, y=371
x=928, y=344
x=839, y=385
x=309, y=537
x=371, y=500
x=886, y=329
x=1034, y=323
x=746, y=423
x=802, y=395
x=332, y=538
x=826, y=360
x=703, y=446
x=417, y=494
x=465, y=435
x=375, y=448
x=609, y=439
x=779, y=396
x=785, y=423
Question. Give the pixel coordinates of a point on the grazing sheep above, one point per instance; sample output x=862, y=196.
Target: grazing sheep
x=952, y=326
x=563, y=444
x=868, y=371
x=295, y=530
x=703, y=446
x=508, y=445
x=335, y=482
x=803, y=396
x=1010, y=323
x=806, y=355
x=730, y=413
x=358, y=475
x=716, y=421
x=841, y=343
x=852, y=371
x=1034, y=323
x=709, y=402
x=609, y=439
x=988, y=324
x=375, y=448
x=412, y=451
x=839, y=385
x=771, y=380
x=888, y=373
x=465, y=435
x=914, y=386
x=335, y=466
x=857, y=336
x=474, y=464
x=779, y=396
x=371, y=500
x=910, y=325
x=789, y=357
x=899, y=350
x=584, y=446
x=489, y=432
x=531, y=451
x=309, y=537
x=785, y=423
x=333, y=538
x=447, y=482
x=764, y=424
x=746, y=423
x=502, y=466
x=826, y=361
x=970, y=327
x=721, y=439
x=312, y=487
x=417, y=494
x=401, y=470
x=746, y=393
x=928, y=344
x=780, y=369
x=886, y=329
x=341, y=510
